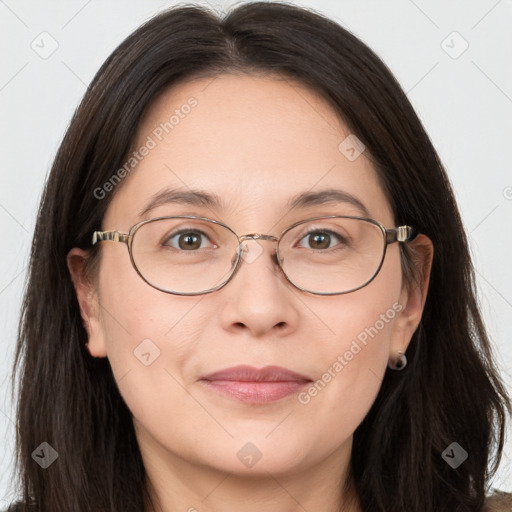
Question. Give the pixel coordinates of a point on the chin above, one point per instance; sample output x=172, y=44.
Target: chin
x=257, y=456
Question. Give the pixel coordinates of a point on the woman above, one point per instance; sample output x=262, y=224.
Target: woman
x=260, y=289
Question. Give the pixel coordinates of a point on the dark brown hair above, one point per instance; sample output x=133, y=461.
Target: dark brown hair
x=450, y=390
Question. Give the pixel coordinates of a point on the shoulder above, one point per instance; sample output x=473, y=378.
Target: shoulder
x=499, y=501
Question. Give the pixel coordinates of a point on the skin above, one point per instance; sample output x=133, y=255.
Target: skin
x=255, y=141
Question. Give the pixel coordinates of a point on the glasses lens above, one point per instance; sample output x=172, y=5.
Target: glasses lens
x=327, y=255
x=184, y=255
x=332, y=255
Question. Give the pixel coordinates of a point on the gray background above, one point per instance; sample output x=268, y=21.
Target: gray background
x=464, y=99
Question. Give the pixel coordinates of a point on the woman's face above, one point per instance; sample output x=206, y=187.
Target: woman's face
x=255, y=142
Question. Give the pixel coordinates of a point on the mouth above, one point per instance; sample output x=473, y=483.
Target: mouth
x=256, y=386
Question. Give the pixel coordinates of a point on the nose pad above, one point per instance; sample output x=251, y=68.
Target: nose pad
x=249, y=255
x=251, y=252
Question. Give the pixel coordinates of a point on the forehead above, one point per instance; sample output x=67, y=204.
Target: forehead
x=255, y=143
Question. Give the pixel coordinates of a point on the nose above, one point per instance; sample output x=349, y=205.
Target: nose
x=258, y=297
x=251, y=252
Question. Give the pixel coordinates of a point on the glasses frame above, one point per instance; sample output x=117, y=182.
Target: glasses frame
x=401, y=234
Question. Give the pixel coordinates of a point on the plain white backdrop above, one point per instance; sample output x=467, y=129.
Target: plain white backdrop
x=450, y=57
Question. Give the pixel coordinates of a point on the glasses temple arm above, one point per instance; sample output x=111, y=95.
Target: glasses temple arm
x=114, y=236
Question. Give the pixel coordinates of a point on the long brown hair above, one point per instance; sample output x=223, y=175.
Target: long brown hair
x=450, y=390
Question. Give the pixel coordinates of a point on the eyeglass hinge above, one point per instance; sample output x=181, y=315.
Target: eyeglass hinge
x=114, y=236
x=405, y=233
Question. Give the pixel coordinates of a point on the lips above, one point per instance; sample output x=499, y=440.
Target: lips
x=244, y=373
x=255, y=386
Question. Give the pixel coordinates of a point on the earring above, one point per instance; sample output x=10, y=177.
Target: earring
x=400, y=363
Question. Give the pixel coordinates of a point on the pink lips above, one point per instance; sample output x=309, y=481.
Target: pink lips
x=256, y=386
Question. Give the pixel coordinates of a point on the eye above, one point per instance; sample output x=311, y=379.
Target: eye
x=187, y=239
x=322, y=238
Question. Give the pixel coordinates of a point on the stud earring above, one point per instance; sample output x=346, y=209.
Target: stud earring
x=400, y=363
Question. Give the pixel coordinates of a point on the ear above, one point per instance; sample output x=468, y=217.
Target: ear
x=88, y=299
x=413, y=295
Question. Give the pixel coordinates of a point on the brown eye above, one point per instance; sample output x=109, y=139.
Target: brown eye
x=186, y=239
x=321, y=239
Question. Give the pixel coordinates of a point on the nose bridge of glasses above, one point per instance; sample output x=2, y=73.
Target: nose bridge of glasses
x=257, y=236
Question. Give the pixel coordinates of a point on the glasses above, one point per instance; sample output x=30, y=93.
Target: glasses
x=190, y=255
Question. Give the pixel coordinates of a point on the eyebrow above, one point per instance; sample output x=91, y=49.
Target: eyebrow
x=201, y=198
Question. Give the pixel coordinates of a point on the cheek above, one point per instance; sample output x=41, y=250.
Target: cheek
x=352, y=360
x=348, y=382
x=147, y=332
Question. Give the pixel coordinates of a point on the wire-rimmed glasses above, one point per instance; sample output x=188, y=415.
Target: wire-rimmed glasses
x=192, y=255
